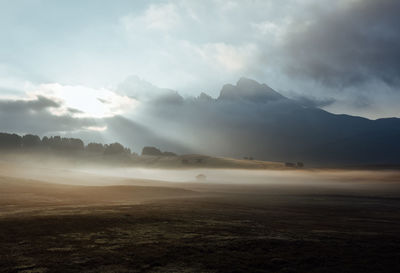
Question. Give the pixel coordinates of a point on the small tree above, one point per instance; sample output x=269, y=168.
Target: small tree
x=76, y=144
x=300, y=165
x=96, y=148
x=10, y=141
x=30, y=141
x=148, y=150
x=114, y=149
x=169, y=154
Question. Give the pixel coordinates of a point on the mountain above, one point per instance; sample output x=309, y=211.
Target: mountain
x=247, y=89
x=252, y=119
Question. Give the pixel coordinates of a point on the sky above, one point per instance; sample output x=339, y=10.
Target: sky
x=87, y=60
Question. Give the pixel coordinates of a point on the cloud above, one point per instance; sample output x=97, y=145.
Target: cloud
x=85, y=101
x=209, y=43
x=314, y=102
x=308, y=46
x=96, y=128
x=54, y=108
x=228, y=57
x=39, y=104
x=35, y=115
x=348, y=45
x=159, y=17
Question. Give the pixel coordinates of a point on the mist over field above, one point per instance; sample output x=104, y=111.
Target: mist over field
x=114, y=218
x=19, y=174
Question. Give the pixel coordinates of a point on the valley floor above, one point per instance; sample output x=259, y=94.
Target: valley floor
x=192, y=227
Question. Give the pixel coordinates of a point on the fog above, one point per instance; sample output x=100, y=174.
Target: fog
x=215, y=180
x=242, y=176
x=100, y=209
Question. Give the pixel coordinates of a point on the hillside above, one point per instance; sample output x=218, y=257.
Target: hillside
x=252, y=119
x=203, y=161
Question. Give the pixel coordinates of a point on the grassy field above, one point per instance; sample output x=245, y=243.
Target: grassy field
x=341, y=222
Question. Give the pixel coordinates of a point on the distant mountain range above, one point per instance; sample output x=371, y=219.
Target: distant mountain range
x=252, y=119
x=247, y=119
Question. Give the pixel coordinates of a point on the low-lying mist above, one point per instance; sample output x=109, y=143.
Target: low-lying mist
x=305, y=181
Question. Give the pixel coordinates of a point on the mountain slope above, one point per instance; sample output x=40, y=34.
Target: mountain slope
x=251, y=119
x=247, y=89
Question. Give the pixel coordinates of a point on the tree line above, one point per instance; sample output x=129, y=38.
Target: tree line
x=58, y=143
x=69, y=145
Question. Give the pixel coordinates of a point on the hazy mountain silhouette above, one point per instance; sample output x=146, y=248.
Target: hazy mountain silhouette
x=247, y=119
x=247, y=89
x=252, y=119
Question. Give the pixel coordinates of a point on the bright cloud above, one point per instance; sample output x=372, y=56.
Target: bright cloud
x=96, y=128
x=83, y=101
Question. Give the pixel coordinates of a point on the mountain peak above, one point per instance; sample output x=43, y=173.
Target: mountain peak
x=246, y=82
x=250, y=90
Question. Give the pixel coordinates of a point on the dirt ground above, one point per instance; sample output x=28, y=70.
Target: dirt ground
x=134, y=225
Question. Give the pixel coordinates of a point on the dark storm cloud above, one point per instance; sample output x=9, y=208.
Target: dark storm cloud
x=33, y=116
x=348, y=46
x=39, y=104
x=314, y=102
